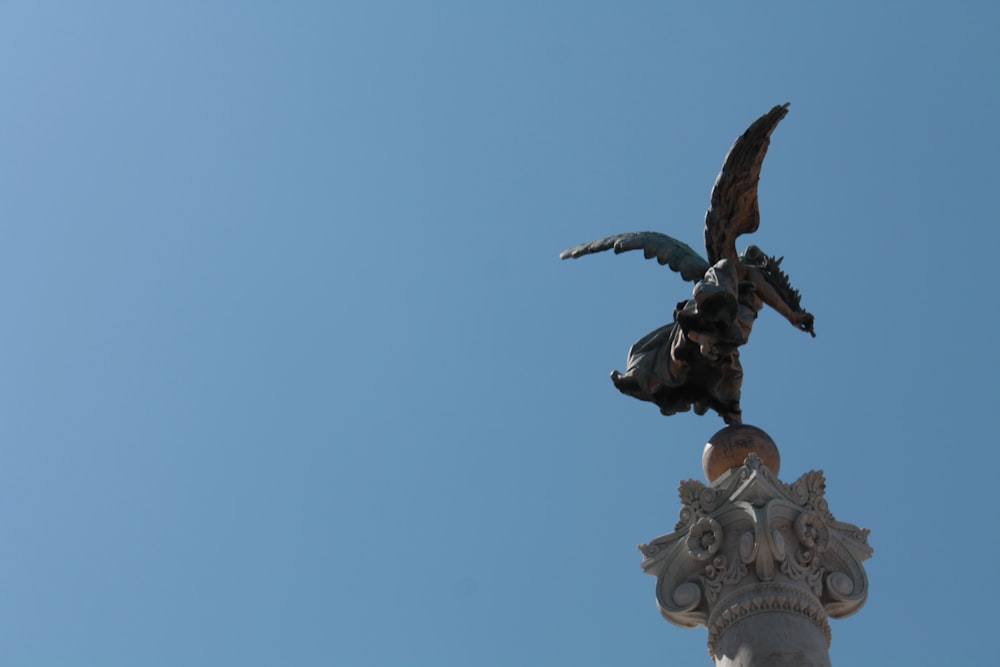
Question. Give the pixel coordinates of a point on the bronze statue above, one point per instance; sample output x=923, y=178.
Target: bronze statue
x=694, y=361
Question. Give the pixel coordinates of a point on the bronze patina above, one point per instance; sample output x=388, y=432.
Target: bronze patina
x=694, y=361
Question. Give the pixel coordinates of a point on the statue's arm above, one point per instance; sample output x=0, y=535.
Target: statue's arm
x=800, y=319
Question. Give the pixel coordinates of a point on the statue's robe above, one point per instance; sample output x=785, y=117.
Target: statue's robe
x=695, y=360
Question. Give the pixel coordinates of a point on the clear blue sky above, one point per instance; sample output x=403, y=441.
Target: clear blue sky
x=291, y=374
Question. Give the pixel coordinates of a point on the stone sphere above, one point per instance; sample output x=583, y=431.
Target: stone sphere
x=730, y=447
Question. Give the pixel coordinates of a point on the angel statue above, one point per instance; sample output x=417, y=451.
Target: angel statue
x=694, y=361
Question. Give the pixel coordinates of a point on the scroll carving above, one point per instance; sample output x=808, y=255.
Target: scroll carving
x=750, y=541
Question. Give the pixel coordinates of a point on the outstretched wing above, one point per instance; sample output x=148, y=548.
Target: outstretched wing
x=667, y=250
x=734, y=198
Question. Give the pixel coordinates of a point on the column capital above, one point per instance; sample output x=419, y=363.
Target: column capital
x=750, y=544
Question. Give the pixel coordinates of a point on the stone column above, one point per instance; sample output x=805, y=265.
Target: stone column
x=760, y=563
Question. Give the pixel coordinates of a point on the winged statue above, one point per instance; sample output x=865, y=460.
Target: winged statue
x=694, y=361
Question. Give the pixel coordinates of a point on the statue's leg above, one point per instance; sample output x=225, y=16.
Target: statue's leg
x=727, y=391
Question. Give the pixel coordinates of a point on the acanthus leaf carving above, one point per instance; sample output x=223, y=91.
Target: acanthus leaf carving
x=750, y=530
x=809, y=490
x=720, y=572
x=700, y=498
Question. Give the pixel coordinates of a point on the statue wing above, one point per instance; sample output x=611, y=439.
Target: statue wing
x=667, y=250
x=734, y=198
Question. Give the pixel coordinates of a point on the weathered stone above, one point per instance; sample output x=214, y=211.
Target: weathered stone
x=762, y=564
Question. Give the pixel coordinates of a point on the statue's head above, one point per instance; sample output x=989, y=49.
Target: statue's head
x=754, y=256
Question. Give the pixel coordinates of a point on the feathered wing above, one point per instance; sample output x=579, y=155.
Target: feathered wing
x=667, y=250
x=734, y=208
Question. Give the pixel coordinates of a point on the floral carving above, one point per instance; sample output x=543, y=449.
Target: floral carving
x=704, y=539
x=751, y=533
x=809, y=490
x=690, y=492
x=702, y=499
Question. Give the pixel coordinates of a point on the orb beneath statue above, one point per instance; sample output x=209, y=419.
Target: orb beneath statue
x=730, y=447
